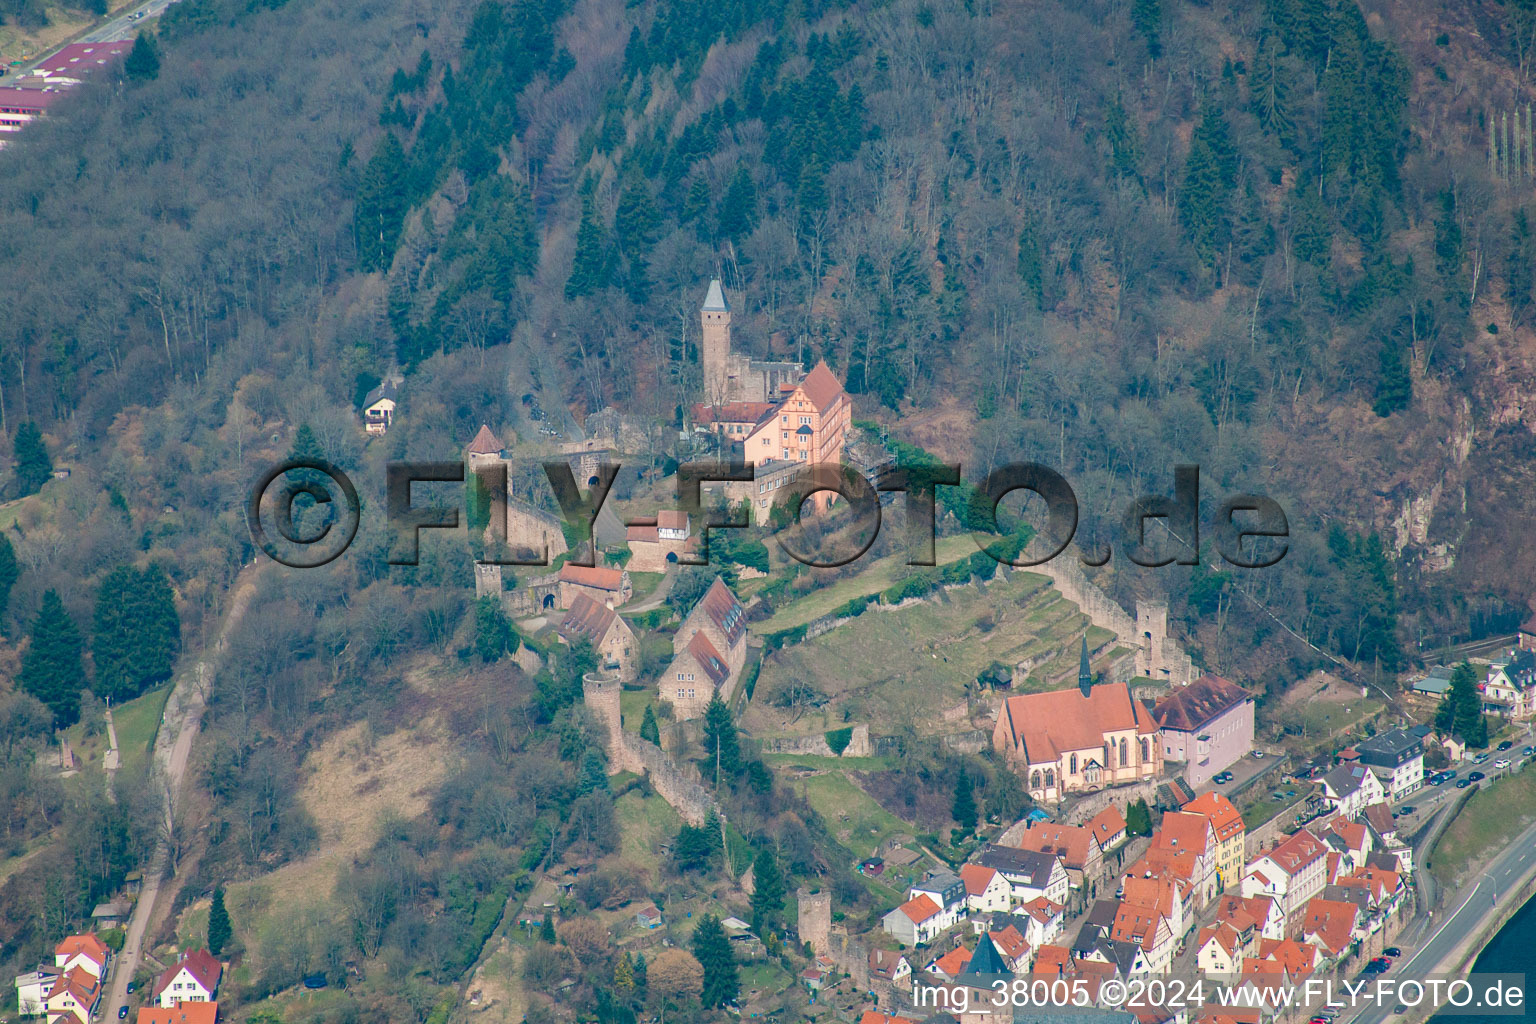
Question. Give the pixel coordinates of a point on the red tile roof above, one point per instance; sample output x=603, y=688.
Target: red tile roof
x=1049, y=724
x=1180, y=830
x=919, y=909
x=90, y=945
x=709, y=659
x=592, y=576
x=733, y=412
x=952, y=963
x=587, y=618
x=821, y=387
x=1010, y=943
x=1298, y=851
x=201, y=964
x=724, y=610
x=1074, y=844
x=976, y=878
x=80, y=59
x=1223, y=816
x=485, y=442
x=181, y=1013
x=875, y=1017
x=1191, y=708
x=1107, y=824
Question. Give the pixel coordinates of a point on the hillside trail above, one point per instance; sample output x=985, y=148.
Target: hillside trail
x=173, y=747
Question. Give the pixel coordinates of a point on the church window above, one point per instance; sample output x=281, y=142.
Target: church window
x=1146, y=753
x=1034, y=779
x=1123, y=757
x=1072, y=766
x=1050, y=777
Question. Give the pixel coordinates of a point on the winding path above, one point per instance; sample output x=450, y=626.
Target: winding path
x=173, y=747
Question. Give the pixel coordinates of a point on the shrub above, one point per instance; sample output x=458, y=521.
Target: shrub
x=838, y=739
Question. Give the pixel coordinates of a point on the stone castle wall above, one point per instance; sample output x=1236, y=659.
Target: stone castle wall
x=679, y=785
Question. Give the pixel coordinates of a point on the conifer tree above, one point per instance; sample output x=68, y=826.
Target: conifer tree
x=143, y=61
x=649, y=730
x=1147, y=16
x=10, y=571
x=722, y=749
x=592, y=268
x=1461, y=712
x=52, y=669
x=1032, y=261
x=696, y=202
x=712, y=949
x=637, y=218
x=219, y=929
x=624, y=975
x=642, y=982
x=382, y=200
x=738, y=207
x=1209, y=173
x=1394, y=387
x=547, y=929
x=767, y=891
x=33, y=466
x=963, y=810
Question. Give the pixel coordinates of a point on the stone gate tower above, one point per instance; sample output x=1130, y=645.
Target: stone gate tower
x=715, y=347
x=815, y=927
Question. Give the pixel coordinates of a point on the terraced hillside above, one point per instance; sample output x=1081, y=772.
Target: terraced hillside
x=901, y=669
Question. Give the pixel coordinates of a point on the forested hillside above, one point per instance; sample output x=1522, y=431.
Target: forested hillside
x=1110, y=236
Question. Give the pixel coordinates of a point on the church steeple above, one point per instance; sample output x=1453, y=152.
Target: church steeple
x=1084, y=673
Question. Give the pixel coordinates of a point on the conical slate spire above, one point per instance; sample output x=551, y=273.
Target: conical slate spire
x=1084, y=673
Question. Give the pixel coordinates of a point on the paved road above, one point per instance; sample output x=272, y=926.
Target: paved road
x=125, y=25
x=1450, y=928
x=173, y=746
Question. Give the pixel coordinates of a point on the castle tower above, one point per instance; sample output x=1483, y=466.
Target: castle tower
x=715, y=346
x=815, y=927
x=600, y=694
x=488, y=580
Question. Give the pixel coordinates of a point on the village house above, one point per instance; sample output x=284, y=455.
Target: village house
x=82, y=952
x=32, y=990
x=1167, y=896
x=1352, y=839
x=1434, y=684
x=1351, y=787
x=1029, y=872
x=659, y=542
x=1263, y=911
x=1280, y=963
x=1220, y=949
x=916, y=922
x=74, y=998
x=1109, y=828
x=1046, y=921
x=1290, y=873
x=608, y=587
x=610, y=636
x=379, y=408
x=1068, y=741
x=1149, y=929
x=708, y=653
x=809, y=427
x=1329, y=925
x=194, y=978
x=1208, y=725
x=1231, y=835
x=1074, y=845
x=986, y=891
x=891, y=967
x=181, y=1013
x=1510, y=688
x=1396, y=758
x=1186, y=831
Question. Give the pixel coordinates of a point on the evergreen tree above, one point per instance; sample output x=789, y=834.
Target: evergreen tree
x=649, y=730
x=1205, y=194
x=963, y=810
x=1032, y=261
x=382, y=201
x=712, y=949
x=52, y=670
x=493, y=633
x=738, y=208
x=1147, y=16
x=637, y=218
x=767, y=892
x=696, y=202
x=1466, y=707
x=594, y=772
x=306, y=446
x=694, y=847
x=642, y=983
x=10, y=571
x=547, y=929
x=592, y=268
x=1394, y=387
x=33, y=466
x=1519, y=267
x=1138, y=819
x=219, y=929
x=722, y=750
x=143, y=61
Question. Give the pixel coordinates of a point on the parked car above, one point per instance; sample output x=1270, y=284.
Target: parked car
x=1464, y=783
x=122, y=1012
x=1506, y=744
x=1502, y=762
x=1528, y=751
x=1257, y=753
x=1391, y=951
x=1405, y=809
x=1480, y=758
x=1476, y=777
